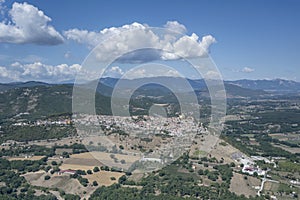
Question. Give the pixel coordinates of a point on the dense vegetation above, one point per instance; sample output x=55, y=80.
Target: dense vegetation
x=30, y=133
x=10, y=175
x=171, y=184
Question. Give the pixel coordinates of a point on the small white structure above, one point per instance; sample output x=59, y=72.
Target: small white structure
x=68, y=171
x=249, y=169
x=295, y=182
x=145, y=159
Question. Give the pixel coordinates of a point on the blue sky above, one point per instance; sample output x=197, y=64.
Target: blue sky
x=255, y=39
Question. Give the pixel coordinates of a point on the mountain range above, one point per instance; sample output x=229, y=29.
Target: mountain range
x=275, y=85
x=272, y=86
x=43, y=99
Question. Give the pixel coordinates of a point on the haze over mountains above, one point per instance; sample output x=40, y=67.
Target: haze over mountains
x=244, y=85
x=275, y=85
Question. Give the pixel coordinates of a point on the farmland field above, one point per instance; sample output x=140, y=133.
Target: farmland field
x=104, y=177
x=89, y=160
x=240, y=185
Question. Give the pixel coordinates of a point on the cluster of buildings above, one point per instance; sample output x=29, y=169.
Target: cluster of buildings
x=249, y=166
x=251, y=169
x=180, y=131
x=44, y=122
x=9, y=143
x=173, y=126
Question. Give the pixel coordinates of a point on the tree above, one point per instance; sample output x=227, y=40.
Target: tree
x=200, y=172
x=96, y=169
x=112, y=156
x=95, y=183
x=53, y=163
x=74, y=175
x=255, y=174
x=122, y=179
x=47, y=168
x=83, y=181
x=65, y=154
x=204, y=159
x=105, y=168
x=80, y=172
x=71, y=197
x=89, y=171
x=161, y=173
x=128, y=173
x=206, y=172
x=47, y=177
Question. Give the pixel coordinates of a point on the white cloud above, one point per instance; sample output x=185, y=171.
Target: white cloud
x=150, y=71
x=212, y=75
x=92, y=38
x=114, y=71
x=83, y=37
x=136, y=36
x=7, y=75
x=137, y=73
x=190, y=46
x=40, y=72
x=175, y=26
x=67, y=55
x=247, y=70
x=2, y=7
x=28, y=25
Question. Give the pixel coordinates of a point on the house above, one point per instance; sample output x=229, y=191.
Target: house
x=68, y=171
x=151, y=160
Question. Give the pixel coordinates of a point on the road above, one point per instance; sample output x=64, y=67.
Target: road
x=263, y=182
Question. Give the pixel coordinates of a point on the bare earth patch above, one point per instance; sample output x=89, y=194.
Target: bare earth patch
x=89, y=160
x=270, y=186
x=241, y=186
x=53, y=142
x=136, y=177
x=63, y=182
x=26, y=158
x=225, y=152
x=59, y=151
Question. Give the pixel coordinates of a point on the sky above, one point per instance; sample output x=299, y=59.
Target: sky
x=49, y=40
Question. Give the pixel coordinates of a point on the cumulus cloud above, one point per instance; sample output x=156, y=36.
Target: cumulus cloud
x=212, y=75
x=28, y=24
x=159, y=45
x=175, y=26
x=92, y=38
x=39, y=72
x=115, y=72
x=150, y=71
x=247, y=70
